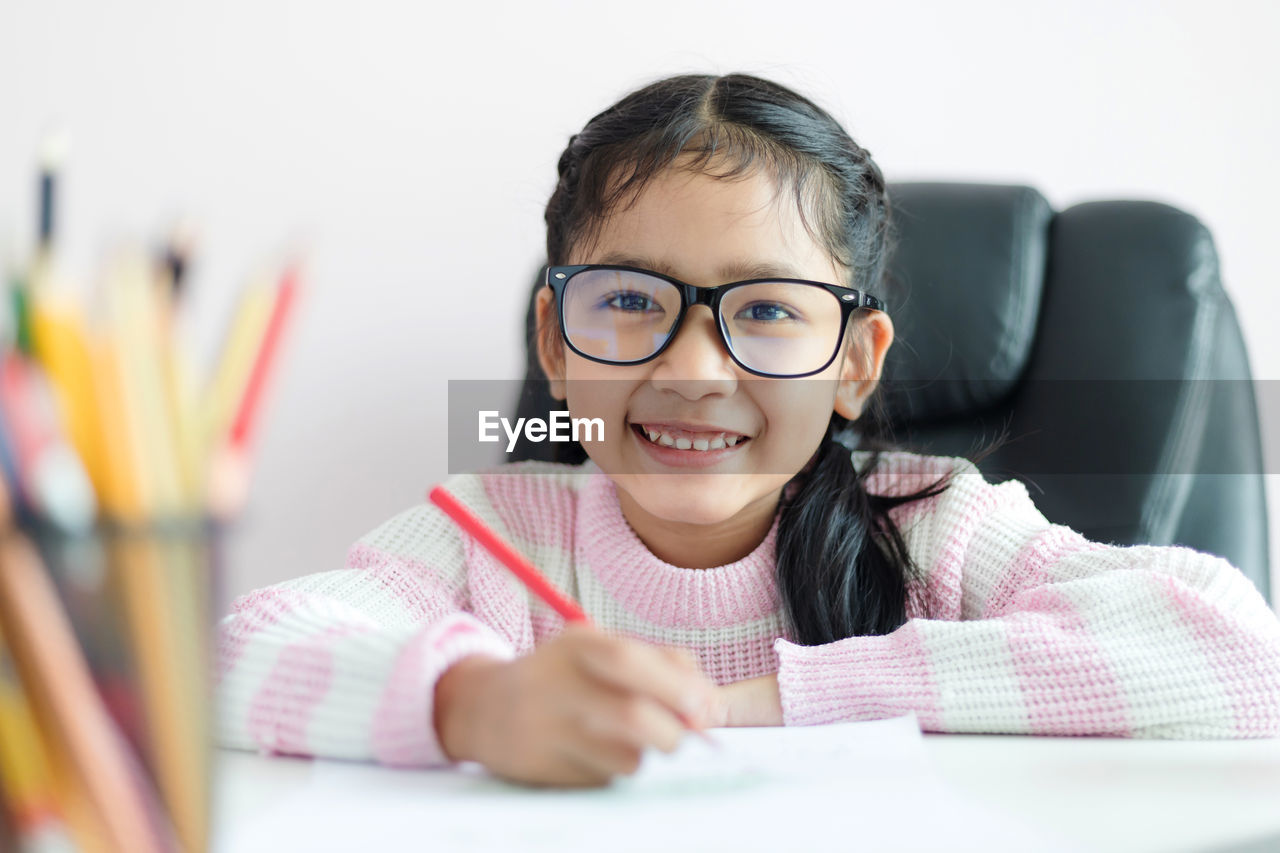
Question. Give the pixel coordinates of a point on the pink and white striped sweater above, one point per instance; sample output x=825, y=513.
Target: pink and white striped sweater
x=1017, y=625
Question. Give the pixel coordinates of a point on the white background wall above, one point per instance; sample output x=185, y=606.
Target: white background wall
x=409, y=148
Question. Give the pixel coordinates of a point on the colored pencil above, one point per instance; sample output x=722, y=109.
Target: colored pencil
x=60, y=341
x=25, y=774
x=227, y=485
x=522, y=569
x=235, y=361
x=251, y=401
x=168, y=273
x=136, y=325
x=62, y=692
x=155, y=581
x=509, y=556
x=175, y=260
x=53, y=152
x=52, y=477
x=18, y=326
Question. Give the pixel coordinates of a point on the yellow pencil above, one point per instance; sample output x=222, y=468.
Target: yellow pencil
x=61, y=344
x=184, y=557
x=235, y=362
x=135, y=320
x=160, y=583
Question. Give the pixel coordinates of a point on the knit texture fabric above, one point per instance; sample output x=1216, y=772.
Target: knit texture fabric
x=1015, y=625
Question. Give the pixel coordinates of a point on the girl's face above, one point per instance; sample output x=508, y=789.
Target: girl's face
x=709, y=506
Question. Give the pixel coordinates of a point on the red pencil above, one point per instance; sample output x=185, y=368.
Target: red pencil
x=510, y=557
x=521, y=568
x=250, y=401
x=227, y=488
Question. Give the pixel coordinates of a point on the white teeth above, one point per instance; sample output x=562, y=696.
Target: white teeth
x=718, y=442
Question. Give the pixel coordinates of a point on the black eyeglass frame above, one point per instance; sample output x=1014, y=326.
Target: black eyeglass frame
x=849, y=299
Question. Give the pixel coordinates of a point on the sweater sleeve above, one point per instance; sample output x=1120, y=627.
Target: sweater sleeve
x=1027, y=627
x=343, y=664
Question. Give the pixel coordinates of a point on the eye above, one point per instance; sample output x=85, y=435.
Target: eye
x=765, y=312
x=630, y=301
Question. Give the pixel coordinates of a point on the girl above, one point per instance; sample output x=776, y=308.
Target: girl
x=717, y=249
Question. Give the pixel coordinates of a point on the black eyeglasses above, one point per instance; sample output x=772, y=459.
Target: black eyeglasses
x=775, y=327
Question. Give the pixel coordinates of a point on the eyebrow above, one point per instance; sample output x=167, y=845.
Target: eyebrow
x=735, y=271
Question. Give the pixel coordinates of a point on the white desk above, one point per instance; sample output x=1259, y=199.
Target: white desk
x=1107, y=794
x=1125, y=795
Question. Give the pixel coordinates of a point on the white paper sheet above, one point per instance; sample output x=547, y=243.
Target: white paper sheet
x=863, y=786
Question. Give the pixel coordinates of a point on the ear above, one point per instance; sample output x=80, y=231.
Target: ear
x=550, y=347
x=869, y=341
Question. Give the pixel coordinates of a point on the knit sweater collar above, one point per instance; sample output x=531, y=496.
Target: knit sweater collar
x=654, y=589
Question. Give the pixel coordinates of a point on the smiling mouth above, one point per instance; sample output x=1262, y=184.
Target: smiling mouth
x=680, y=439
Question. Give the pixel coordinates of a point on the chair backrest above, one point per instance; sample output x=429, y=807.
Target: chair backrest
x=1099, y=338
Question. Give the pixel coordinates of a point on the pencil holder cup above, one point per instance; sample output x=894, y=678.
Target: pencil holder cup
x=142, y=601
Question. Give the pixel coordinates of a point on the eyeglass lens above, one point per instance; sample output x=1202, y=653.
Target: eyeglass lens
x=775, y=327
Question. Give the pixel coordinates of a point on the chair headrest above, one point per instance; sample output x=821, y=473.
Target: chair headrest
x=964, y=296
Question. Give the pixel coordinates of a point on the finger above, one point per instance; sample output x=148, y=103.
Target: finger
x=636, y=668
x=681, y=657
x=635, y=720
x=570, y=772
x=602, y=758
x=708, y=710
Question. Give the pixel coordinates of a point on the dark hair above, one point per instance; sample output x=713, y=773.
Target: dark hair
x=842, y=565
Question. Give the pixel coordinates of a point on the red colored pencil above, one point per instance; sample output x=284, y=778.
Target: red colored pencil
x=510, y=557
x=521, y=568
x=230, y=466
x=251, y=399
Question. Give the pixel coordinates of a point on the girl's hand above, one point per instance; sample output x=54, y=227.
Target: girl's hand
x=578, y=710
x=753, y=702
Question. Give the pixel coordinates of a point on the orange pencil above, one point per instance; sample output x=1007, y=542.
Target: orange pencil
x=24, y=767
x=52, y=667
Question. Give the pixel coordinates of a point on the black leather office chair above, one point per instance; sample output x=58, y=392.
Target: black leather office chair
x=1098, y=337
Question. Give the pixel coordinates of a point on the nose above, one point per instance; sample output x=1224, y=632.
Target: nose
x=696, y=364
